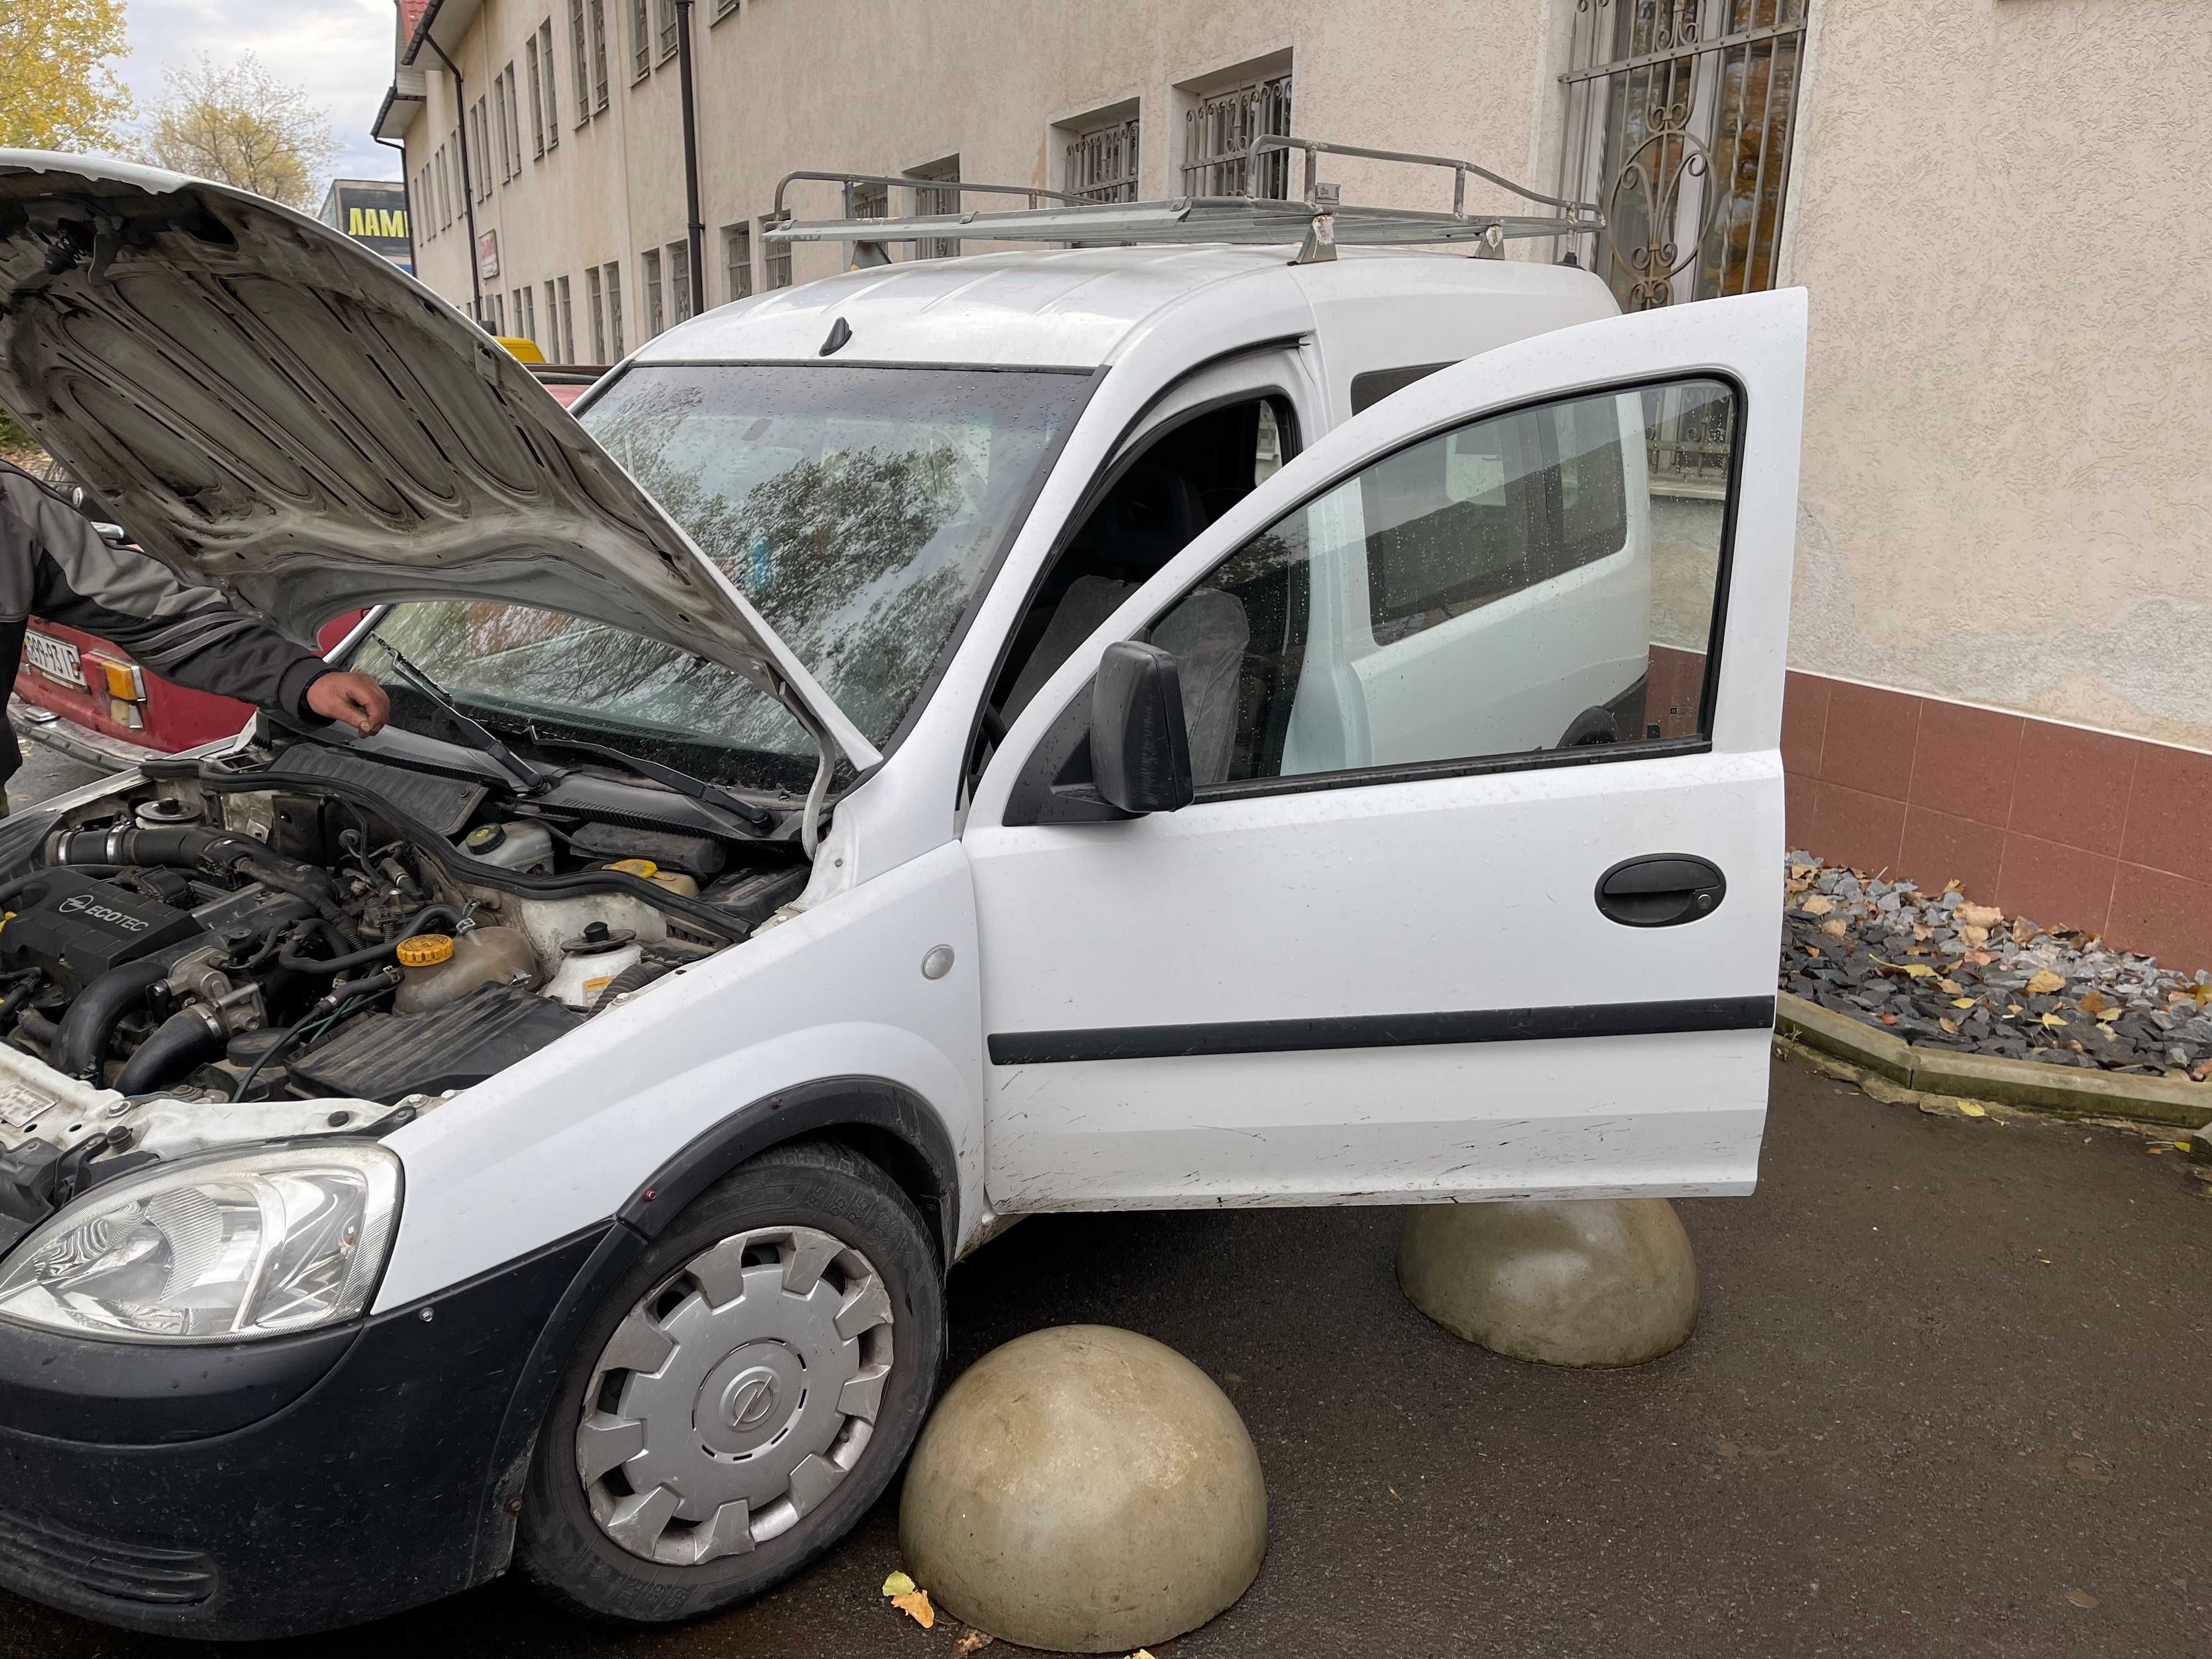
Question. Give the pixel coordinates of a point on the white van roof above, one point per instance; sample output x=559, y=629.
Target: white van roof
x=1069, y=308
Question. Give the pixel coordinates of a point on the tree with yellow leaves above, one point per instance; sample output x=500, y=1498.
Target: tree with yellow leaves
x=57, y=85
x=243, y=126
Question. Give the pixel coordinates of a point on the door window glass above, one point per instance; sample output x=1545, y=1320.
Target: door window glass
x=1520, y=585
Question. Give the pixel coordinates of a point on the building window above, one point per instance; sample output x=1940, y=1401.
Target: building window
x=656, y=314
x=679, y=280
x=1679, y=123
x=1099, y=163
x=580, y=50
x=480, y=122
x=614, y=311
x=640, y=42
x=1218, y=133
x=725, y=9
x=775, y=260
x=536, y=98
x=498, y=304
x=552, y=340
x=511, y=140
x=552, y=87
x=736, y=262
x=596, y=307
x=937, y=201
x=567, y=325
x=599, y=11
x=499, y=115
x=667, y=10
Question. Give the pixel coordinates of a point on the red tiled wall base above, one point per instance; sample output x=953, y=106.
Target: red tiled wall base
x=2066, y=827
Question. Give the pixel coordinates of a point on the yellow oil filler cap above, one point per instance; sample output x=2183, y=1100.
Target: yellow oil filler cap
x=425, y=950
x=643, y=869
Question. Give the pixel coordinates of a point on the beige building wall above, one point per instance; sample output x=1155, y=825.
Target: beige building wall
x=2006, y=495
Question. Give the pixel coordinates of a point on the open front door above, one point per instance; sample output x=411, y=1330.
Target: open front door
x=1480, y=893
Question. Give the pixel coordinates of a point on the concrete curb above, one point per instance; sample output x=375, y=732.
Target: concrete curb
x=2063, y=1088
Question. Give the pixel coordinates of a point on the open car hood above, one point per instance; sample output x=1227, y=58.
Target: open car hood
x=279, y=412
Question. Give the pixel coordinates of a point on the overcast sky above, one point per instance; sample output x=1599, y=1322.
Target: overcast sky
x=339, y=50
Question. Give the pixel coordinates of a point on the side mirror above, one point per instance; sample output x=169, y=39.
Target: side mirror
x=1139, y=748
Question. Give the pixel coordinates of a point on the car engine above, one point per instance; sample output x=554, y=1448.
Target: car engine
x=340, y=927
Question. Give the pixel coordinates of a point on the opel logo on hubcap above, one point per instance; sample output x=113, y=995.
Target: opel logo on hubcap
x=750, y=1400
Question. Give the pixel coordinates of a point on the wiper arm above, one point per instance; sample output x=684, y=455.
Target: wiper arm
x=759, y=819
x=532, y=780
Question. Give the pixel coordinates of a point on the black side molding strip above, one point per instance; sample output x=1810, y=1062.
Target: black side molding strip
x=1270, y=1037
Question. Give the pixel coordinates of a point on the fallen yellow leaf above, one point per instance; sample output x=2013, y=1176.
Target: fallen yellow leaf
x=2058, y=1020
x=1975, y=937
x=1950, y=985
x=898, y=1584
x=1973, y=1110
x=915, y=1605
x=1962, y=1002
x=973, y=1642
x=2045, y=983
x=1947, y=1025
x=1835, y=926
x=1818, y=905
x=1978, y=916
x=1911, y=969
x=2094, y=1003
x=2181, y=1147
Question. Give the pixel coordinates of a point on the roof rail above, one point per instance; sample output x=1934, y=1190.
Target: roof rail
x=1318, y=222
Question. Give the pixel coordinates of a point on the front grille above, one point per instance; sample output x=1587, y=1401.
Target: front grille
x=146, y=1573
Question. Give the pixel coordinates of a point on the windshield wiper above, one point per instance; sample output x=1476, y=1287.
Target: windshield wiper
x=531, y=781
x=758, y=819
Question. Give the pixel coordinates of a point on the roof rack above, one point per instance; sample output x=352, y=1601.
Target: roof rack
x=1318, y=224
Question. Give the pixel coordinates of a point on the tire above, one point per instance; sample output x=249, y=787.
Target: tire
x=692, y=1533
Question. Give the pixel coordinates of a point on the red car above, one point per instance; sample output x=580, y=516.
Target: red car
x=78, y=693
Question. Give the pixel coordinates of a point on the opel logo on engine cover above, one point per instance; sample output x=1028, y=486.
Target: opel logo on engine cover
x=74, y=901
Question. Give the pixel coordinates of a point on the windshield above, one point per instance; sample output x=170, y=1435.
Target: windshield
x=858, y=509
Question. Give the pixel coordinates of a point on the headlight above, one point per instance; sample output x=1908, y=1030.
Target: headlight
x=212, y=1249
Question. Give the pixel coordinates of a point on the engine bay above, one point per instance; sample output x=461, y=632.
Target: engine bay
x=229, y=938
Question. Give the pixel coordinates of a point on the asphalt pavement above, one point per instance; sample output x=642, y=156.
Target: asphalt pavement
x=1948, y=1396
x=47, y=772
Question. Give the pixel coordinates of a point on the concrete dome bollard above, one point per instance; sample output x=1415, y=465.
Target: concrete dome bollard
x=1584, y=1282
x=1086, y=1489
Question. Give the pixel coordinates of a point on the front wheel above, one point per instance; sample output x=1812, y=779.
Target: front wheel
x=743, y=1397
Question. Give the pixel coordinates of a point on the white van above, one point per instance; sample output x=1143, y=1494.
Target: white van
x=1065, y=729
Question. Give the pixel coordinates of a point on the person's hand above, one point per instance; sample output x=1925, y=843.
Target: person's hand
x=354, y=699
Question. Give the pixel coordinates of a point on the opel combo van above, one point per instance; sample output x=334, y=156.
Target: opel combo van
x=1076, y=728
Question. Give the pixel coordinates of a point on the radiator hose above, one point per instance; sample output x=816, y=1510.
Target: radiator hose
x=81, y=1042
x=186, y=1036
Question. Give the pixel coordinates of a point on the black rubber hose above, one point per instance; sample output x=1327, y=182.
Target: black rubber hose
x=12, y=1004
x=81, y=1043
x=177, y=1041
x=374, y=954
x=36, y=1026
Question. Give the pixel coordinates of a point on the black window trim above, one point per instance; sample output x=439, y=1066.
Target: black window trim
x=1427, y=771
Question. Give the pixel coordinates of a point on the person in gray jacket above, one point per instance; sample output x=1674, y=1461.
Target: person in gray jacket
x=53, y=565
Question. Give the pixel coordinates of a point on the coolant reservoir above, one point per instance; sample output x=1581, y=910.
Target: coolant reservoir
x=436, y=968
x=646, y=869
x=590, y=963
x=519, y=845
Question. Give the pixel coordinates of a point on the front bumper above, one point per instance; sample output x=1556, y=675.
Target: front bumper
x=279, y=1487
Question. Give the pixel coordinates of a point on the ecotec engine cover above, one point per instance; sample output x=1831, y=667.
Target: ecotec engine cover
x=77, y=929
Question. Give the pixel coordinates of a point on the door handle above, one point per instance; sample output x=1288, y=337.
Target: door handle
x=1661, y=890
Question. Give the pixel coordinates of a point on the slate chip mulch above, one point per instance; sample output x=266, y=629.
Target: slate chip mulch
x=1942, y=972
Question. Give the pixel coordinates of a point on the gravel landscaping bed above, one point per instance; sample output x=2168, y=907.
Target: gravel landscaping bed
x=1942, y=972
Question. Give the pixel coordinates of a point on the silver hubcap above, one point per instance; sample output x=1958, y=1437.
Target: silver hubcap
x=735, y=1396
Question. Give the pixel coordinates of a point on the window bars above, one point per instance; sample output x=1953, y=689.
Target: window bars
x=1680, y=114
x=1102, y=164
x=1217, y=135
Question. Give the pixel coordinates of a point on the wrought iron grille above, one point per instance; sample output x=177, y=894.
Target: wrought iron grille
x=1678, y=119
x=1218, y=131
x=1680, y=114
x=1101, y=165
